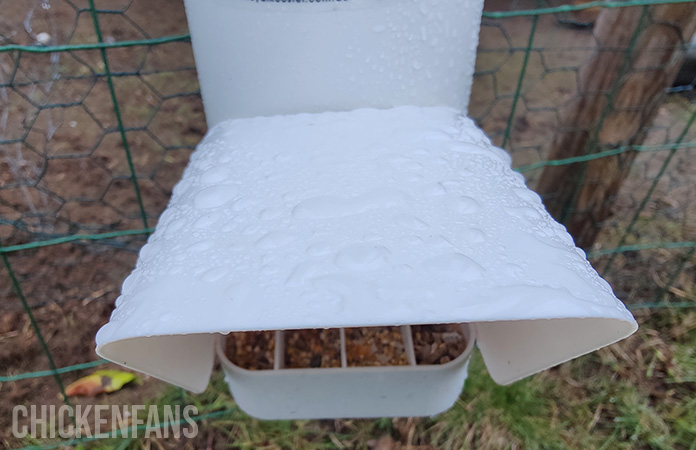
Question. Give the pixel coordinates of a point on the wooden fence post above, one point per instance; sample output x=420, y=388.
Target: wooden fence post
x=639, y=51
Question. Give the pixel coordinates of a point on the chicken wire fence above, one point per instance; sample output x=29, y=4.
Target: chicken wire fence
x=101, y=109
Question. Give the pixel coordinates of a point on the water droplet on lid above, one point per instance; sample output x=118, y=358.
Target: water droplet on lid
x=173, y=226
x=527, y=195
x=323, y=207
x=564, y=236
x=207, y=220
x=313, y=304
x=524, y=212
x=275, y=239
x=271, y=213
x=604, y=284
x=439, y=242
x=216, y=175
x=243, y=204
x=434, y=190
x=413, y=241
x=462, y=204
x=455, y=266
x=473, y=235
x=319, y=249
x=128, y=284
x=513, y=270
x=402, y=269
x=215, y=196
x=372, y=237
x=302, y=272
x=362, y=257
x=411, y=222
x=225, y=158
x=519, y=177
x=200, y=246
x=252, y=229
x=269, y=269
x=214, y=274
x=150, y=250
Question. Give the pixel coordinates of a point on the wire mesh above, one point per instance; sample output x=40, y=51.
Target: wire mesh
x=101, y=109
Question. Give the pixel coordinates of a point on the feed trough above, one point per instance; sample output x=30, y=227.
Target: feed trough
x=344, y=234
x=396, y=371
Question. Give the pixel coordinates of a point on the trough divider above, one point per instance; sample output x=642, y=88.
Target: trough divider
x=279, y=352
x=407, y=337
x=344, y=355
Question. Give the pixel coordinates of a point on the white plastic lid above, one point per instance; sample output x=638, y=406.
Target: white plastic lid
x=362, y=218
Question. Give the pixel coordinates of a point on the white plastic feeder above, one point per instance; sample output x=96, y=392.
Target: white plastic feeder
x=412, y=390
x=372, y=202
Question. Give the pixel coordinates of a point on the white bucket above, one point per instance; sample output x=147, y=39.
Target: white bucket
x=263, y=58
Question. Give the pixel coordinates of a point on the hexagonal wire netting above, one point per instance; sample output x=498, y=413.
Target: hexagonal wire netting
x=100, y=110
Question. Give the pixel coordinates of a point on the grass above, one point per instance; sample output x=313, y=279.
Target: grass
x=639, y=393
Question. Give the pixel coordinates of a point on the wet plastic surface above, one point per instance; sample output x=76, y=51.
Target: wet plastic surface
x=399, y=216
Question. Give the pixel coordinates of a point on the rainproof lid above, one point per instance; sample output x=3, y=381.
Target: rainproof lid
x=362, y=218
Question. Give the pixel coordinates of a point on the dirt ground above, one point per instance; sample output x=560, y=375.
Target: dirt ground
x=63, y=169
x=68, y=173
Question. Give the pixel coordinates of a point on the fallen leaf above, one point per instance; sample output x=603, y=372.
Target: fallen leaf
x=101, y=381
